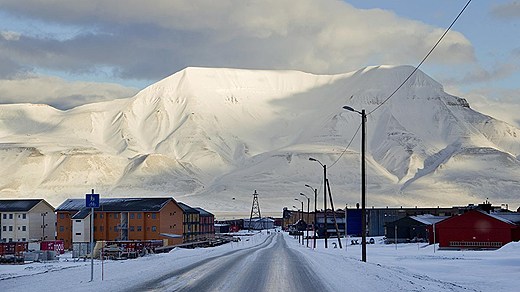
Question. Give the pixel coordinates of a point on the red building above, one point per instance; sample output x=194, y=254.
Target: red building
x=478, y=229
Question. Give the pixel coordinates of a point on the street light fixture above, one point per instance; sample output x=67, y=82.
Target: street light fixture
x=324, y=196
x=363, y=182
x=307, y=229
x=315, y=212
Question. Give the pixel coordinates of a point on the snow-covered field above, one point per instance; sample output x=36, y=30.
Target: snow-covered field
x=409, y=267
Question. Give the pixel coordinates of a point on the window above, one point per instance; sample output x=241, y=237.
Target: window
x=24, y=228
x=79, y=221
x=101, y=215
x=154, y=229
x=10, y=228
x=116, y=229
x=154, y=216
x=116, y=215
x=139, y=228
x=131, y=228
x=139, y=215
x=24, y=216
x=78, y=233
x=24, y=239
x=10, y=216
x=132, y=215
x=62, y=216
x=62, y=229
x=5, y=217
x=10, y=240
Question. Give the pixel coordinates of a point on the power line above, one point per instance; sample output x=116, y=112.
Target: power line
x=423, y=60
x=346, y=148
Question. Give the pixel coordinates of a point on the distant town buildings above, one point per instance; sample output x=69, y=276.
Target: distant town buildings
x=472, y=226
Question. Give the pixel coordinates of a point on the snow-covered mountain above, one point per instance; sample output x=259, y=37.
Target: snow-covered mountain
x=211, y=137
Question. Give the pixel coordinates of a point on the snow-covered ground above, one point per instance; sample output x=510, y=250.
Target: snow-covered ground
x=407, y=267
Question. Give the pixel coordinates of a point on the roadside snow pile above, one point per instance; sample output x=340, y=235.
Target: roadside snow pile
x=512, y=247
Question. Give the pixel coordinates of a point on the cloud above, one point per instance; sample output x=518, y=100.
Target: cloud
x=501, y=104
x=59, y=93
x=509, y=10
x=10, y=35
x=150, y=40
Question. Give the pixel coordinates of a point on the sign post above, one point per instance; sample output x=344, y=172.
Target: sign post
x=92, y=201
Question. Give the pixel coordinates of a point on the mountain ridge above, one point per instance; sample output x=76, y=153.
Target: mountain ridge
x=208, y=135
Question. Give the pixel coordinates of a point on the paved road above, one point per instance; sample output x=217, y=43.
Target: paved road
x=270, y=266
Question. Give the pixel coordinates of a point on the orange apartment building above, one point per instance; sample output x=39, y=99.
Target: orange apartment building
x=121, y=219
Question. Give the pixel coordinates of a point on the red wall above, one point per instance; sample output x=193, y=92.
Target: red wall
x=473, y=226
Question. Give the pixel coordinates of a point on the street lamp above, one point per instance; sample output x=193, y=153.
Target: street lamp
x=363, y=182
x=307, y=228
x=296, y=199
x=324, y=196
x=297, y=231
x=315, y=211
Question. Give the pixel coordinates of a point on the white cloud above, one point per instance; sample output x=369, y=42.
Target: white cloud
x=58, y=92
x=500, y=104
x=156, y=38
x=509, y=10
x=10, y=35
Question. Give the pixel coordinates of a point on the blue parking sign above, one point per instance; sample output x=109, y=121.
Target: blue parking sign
x=92, y=200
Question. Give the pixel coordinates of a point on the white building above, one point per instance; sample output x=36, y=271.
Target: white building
x=81, y=226
x=26, y=220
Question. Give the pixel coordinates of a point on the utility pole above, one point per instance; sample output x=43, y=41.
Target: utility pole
x=255, y=210
x=308, y=214
x=363, y=182
x=324, y=196
x=315, y=212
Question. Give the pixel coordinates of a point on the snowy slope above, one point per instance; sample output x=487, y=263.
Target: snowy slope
x=206, y=136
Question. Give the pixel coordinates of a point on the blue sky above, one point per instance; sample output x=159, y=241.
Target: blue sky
x=67, y=53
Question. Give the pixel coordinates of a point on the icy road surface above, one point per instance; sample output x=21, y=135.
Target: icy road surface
x=270, y=266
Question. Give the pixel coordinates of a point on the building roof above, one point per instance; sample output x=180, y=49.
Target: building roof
x=203, y=212
x=509, y=217
x=82, y=214
x=187, y=209
x=428, y=219
x=18, y=205
x=118, y=204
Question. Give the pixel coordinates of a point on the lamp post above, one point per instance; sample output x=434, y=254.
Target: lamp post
x=324, y=196
x=307, y=229
x=296, y=199
x=297, y=231
x=315, y=211
x=363, y=182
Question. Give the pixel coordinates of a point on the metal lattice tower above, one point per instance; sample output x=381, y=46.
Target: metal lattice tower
x=255, y=210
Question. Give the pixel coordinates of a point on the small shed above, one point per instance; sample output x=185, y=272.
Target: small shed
x=222, y=228
x=259, y=223
x=477, y=229
x=411, y=228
